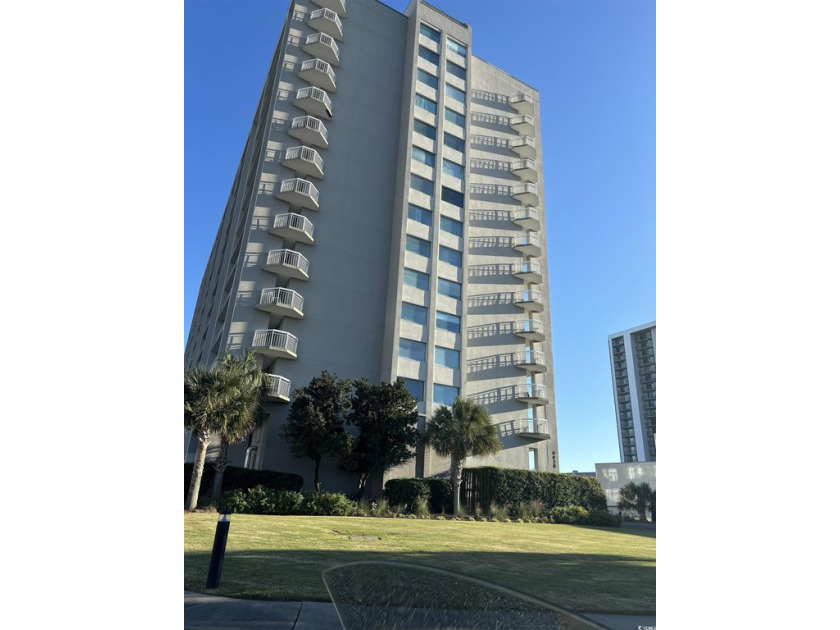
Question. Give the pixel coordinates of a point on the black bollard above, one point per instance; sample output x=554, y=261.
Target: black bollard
x=218, y=555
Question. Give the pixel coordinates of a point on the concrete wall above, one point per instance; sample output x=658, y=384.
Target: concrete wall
x=615, y=476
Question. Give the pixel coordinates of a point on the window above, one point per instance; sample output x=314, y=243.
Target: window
x=422, y=184
x=448, y=255
x=457, y=70
x=447, y=357
x=428, y=55
x=452, y=226
x=423, y=156
x=427, y=79
x=429, y=32
x=451, y=196
x=414, y=350
x=425, y=130
x=456, y=170
x=421, y=215
x=449, y=288
x=414, y=387
x=457, y=47
x=454, y=117
x=445, y=321
x=425, y=104
x=458, y=95
x=453, y=142
x=416, y=279
x=414, y=313
x=532, y=459
x=418, y=246
x=445, y=394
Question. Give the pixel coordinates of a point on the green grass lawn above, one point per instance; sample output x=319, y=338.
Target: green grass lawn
x=586, y=569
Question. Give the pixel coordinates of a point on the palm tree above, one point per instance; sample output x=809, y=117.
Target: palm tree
x=221, y=400
x=638, y=497
x=459, y=431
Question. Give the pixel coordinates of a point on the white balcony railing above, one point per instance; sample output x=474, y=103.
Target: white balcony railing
x=524, y=146
x=304, y=161
x=275, y=341
x=280, y=297
x=310, y=130
x=523, y=103
x=532, y=390
x=523, y=124
x=279, y=387
x=529, y=296
x=296, y=190
x=530, y=268
x=528, y=326
x=336, y=5
x=315, y=67
x=531, y=425
x=322, y=45
x=526, y=240
x=296, y=222
x=314, y=100
x=530, y=358
x=326, y=21
x=526, y=194
x=288, y=258
x=528, y=216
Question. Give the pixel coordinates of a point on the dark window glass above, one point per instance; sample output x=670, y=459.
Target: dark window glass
x=423, y=156
x=414, y=350
x=453, y=142
x=456, y=70
x=428, y=55
x=425, y=104
x=451, y=196
x=427, y=79
x=447, y=357
x=448, y=255
x=446, y=321
x=423, y=185
x=452, y=226
x=429, y=32
x=450, y=168
x=458, y=95
x=455, y=118
x=424, y=129
x=415, y=388
x=421, y=215
x=416, y=279
x=418, y=246
x=449, y=288
x=414, y=313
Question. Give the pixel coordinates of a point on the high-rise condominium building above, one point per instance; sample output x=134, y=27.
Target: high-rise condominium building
x=387, y=221
x=633, y=358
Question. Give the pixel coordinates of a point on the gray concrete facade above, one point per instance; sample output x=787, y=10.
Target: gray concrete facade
x=384, y=179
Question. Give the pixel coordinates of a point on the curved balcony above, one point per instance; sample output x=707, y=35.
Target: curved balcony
x=304, y=161
x=319, y=73
x=530, y=300
x=299, y=193
x=335, y=5
x=522, y=103
x=314, y=101
x=528, y=244
x=293, y=228
x=526, y=194
x=525, y=147
x=530, y=329
x=277, y=344
x=526, y=170
x=532, y=393
x=322, y=46
x=279, y=388
x=528, y=270
x=532, y=361
x=523, y=125
x=527, y=218
x=327, y=21
x=309, y=130
x=281, y=302
x=287, y=264
x=535, y=428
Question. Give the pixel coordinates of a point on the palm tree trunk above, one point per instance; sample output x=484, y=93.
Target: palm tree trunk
x=220, y=465
x=456, y=467
x=363, y=478
x=198, y=468
x=317, y=481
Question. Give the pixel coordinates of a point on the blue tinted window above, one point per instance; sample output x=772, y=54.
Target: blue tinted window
x=449, y=288
x=422, y=184
x=416, y=279
x=456, y=70
x=457, y=47
x=452, y=196
x=451, y=256
x=447, y=357
x=453, y=142
x=425, y=130
x=445, y=395
x=423, y=156
x=455, y=117
x=427, y=79
x=414, y=350
x=445, y=321
x=418, y=246
x=421, y=215
x=458, y=95
x=456, y=170
x=452, y=226
x=425, y=104
x=428, y=55
x=429, y=32
x=414, y=313
x=414, y=387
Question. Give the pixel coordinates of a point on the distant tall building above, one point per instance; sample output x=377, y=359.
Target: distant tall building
x=633, y=358
x=387, y=221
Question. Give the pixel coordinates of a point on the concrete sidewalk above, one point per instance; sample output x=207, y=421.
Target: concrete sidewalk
x=209, y=612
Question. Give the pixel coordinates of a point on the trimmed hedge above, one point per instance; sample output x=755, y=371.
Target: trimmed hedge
x=241, y=479
x=261, y=500
x=409, y=491
x=510, y=486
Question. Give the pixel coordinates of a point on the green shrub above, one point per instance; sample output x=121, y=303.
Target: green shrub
x=440, y=500
x=603, y=518
x=235, y=501
x=569, y=515
x=326, y=504
x=242, y=479
x=422, y=509
x=498, y=512
x=407, y=492
x=380, y=508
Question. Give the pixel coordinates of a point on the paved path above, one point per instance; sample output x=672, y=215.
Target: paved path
x=209, y=612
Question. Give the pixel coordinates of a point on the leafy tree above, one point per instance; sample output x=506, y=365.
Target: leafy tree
x=219, y=400
x=459, y=431
x=386, y=417
x=638, y=497
x=315, y=426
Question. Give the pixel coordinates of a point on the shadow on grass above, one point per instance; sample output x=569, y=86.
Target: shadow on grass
x=591, y=583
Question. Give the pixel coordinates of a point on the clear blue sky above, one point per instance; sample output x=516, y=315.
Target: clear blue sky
x=594, y=64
